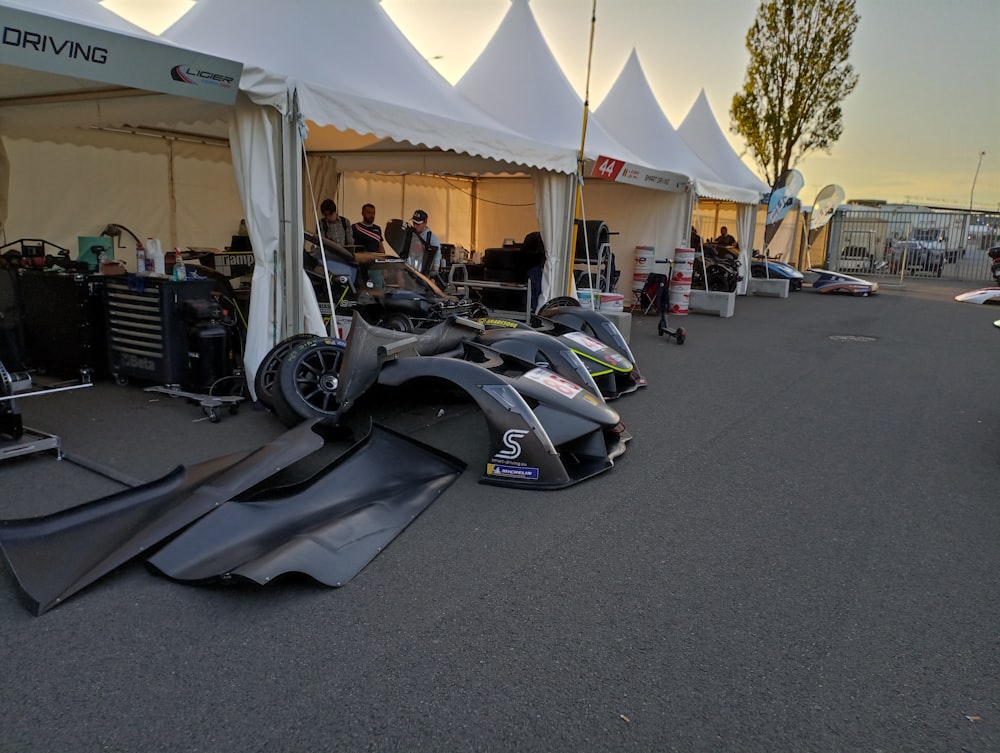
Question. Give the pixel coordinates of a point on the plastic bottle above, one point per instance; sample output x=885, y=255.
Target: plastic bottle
x=180, y=271
x=140, y=259
x=159, y=259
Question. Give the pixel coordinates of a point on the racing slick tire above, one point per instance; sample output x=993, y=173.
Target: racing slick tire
x=307, y=380
x=267, y=372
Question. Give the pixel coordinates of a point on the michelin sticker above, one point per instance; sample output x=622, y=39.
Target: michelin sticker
x=512, y=471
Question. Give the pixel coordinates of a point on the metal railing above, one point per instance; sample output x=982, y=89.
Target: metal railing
x=903, y=241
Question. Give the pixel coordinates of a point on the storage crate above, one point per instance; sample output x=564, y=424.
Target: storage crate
x=64, y=322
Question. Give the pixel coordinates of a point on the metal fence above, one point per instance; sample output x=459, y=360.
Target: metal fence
x=907, y=241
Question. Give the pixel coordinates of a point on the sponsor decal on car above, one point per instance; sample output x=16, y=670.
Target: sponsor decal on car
x=498, y=323
x=585, y=340
x=511, y=471
x=554, y=382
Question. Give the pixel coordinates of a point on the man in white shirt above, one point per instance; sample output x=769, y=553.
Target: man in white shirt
x=424, y=253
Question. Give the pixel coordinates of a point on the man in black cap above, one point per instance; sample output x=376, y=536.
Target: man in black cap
x=424, y=248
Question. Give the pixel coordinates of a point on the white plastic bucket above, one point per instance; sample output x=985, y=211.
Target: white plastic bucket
x=589, y=296
x=612, y=302
x=643, y=265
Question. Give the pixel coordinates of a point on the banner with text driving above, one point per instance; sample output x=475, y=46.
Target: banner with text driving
x=606, y=168
x=54, y=45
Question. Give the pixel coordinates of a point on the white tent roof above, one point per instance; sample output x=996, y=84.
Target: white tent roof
x=630, y=112
x=700, y=131
x=354, y=70
x=518, y=81
x=89, y=12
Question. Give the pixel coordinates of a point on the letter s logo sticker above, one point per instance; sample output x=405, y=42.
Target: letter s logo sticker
x=511, y=441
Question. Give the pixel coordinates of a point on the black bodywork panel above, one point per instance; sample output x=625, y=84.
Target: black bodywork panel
x=327, y=527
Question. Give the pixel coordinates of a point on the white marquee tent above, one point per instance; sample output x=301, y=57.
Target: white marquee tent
x=517, y=79
x=370, y=97
x=700, y=131
x=265, y=129
x=630, y=111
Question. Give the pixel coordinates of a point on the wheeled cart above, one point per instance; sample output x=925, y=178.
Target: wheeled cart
x=211, y=405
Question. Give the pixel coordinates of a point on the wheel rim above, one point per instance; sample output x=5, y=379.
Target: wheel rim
x=316, y=377
x=399, y=323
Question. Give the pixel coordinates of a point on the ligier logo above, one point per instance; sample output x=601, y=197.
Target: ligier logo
x=191, y=75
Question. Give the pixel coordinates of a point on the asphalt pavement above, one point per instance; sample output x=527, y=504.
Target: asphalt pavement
x=798, y=552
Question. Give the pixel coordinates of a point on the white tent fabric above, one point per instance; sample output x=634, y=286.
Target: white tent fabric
x=700, y=131
x=630, y=112
x=518, y=81
x=346, y=52
x=82, y=104
x=355, y=71
x=89, y=12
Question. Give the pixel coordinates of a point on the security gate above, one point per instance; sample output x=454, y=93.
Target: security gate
x=906, y=241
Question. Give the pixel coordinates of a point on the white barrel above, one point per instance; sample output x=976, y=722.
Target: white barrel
x=679, y=290
x=683, y=266
x=643, y=265
x=678, y=299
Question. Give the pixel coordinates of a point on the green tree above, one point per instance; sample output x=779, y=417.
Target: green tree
x=797, y=77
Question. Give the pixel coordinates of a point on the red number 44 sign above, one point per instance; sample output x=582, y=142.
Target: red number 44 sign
x=606, y=168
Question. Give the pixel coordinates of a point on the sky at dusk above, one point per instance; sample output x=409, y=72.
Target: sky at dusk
x=927, y=102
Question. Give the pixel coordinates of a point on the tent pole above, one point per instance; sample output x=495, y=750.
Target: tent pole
x=583, y=144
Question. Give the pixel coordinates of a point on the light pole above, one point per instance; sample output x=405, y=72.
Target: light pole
x=974, y=177
x=972, y=192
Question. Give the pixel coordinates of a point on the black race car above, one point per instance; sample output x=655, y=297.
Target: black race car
x=385, y=291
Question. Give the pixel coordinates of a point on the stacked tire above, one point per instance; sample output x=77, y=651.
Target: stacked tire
x=591, y=237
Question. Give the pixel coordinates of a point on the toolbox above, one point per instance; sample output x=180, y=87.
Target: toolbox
x=147, y=333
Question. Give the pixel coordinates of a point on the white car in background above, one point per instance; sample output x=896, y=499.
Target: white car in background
x=856, y=259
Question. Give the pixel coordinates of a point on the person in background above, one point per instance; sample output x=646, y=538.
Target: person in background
x=725, y=239
x=695, y=240
x=367, y=234
x=424, y=248
x=534, y=247
x=334, y=227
